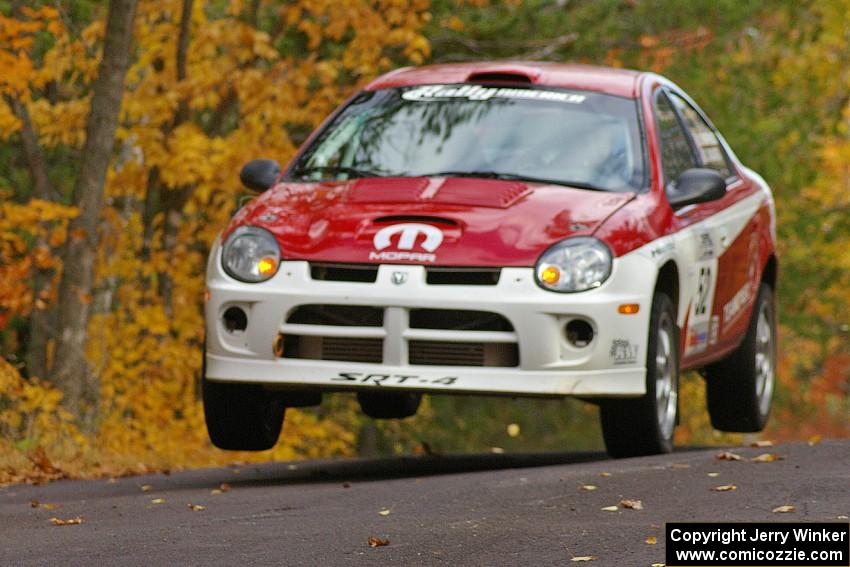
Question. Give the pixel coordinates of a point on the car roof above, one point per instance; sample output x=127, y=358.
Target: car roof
x=609, y=80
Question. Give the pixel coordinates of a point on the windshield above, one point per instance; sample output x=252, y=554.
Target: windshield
x=577, y=138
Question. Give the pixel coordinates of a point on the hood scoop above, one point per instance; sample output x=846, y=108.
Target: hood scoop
x=392, y=219
x=465, y=191
x=387, y=190
x=491, y=193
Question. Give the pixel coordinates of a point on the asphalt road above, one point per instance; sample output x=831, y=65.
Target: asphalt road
x=459, y=510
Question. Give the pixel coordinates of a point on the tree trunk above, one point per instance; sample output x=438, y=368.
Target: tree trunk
x=71, y=372
x=40, y=328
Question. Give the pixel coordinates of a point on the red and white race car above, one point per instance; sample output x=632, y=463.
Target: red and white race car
x=521, y=229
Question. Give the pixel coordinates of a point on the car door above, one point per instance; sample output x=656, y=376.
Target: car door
x=736, y=224
x=696, y=238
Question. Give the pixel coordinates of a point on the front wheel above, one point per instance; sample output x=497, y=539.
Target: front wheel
x=644, y=426
x=241, y=417
x=739, y=388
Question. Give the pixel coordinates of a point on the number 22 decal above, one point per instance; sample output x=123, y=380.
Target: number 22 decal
x=703, y=290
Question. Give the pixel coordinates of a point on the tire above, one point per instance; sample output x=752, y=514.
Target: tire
x=739, y=388
x=645, y=425
x=389, y=405
x=241, y=417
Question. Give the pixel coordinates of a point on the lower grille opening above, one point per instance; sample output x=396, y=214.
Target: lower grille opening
x=441, y=353
x=458, y=320
x=341, y=349
x=337, y=315
x=363, y=273
x=462, y=276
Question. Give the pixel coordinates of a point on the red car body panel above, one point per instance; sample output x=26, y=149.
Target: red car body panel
x=620, y=82
x=485, y=222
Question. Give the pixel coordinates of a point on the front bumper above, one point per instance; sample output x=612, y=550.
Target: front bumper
x=612, y=365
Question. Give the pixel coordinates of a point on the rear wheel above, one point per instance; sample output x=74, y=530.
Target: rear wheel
x=739, y=388
x=389, y=405
x=644, y=426
x=241, y=417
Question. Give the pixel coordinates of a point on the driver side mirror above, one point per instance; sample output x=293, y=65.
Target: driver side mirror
x=259, y=174
x=696, y=185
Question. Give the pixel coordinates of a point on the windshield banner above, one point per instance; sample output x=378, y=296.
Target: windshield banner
x=477, y=92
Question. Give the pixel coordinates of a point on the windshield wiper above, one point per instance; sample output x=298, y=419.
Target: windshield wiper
x=352, y=171
x=515, y=176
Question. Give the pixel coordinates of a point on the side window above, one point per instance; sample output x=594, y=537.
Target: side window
x=676, y=153
x=708, y=146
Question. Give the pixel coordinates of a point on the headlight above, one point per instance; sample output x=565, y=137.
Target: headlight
x=250, y=254
x=574, y=264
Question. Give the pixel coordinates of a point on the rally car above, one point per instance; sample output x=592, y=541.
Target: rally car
x=507, y=228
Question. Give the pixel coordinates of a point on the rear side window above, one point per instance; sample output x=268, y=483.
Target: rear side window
x=676, y=153
x=707, y=145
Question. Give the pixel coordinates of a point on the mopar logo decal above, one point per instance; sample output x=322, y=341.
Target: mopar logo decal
x=407, y=236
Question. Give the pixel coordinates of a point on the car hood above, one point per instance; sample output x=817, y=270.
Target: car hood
x=418, y=220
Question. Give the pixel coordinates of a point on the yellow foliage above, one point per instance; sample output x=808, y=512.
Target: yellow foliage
x=20, y=227
x=31, y=416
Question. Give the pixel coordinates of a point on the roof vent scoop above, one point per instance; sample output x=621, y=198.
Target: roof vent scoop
x=495, y=77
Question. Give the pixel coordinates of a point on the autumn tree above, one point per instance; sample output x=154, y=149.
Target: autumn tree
x=71, y=371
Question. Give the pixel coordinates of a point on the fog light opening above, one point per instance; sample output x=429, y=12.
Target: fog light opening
x=235, y=319
x=579, y=333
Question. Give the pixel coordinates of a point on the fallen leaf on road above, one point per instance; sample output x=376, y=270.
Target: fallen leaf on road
x=589, y=487
x=610, y=509
x=158, y=501
x=842, y=517
x=215, y=491
x=377, y=542
x=766, y=458
x=651, y=540
x=725, y=488
x=762, y=443
x=713, y=474
x=814, y=440
x=787, y=509
x=37, y=504
x=604, y=474
x=68, y=522
x=224, y=487
x=581, y=558
x=727, y=456
x=513, y=430
x=631, y=504
x=147, y=488
x=292, y=467
x=658, y=565
x=197, y=507
x=497, y=450
x=384, y=512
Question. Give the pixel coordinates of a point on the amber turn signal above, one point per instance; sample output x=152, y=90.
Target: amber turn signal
x=629, y=308
x=267, y=266
x=550, y=275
